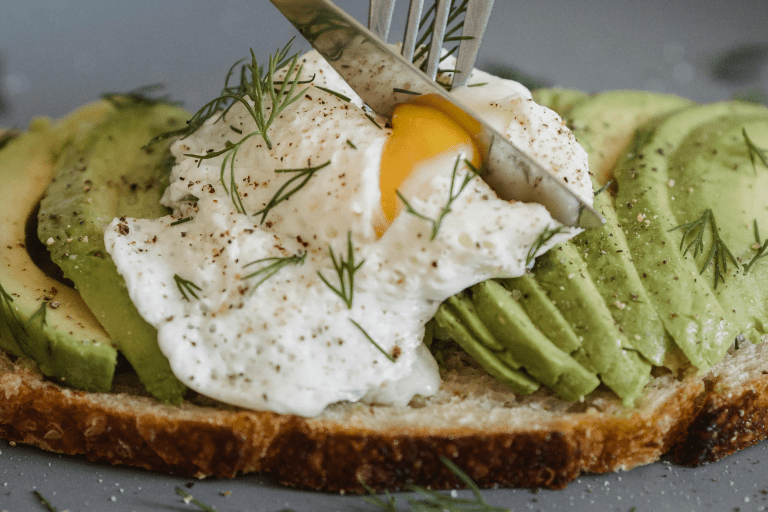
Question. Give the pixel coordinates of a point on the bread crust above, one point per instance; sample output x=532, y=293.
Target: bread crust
x=333, y=453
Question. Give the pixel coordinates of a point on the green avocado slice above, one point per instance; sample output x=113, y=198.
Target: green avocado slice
x=650, y=204
x=103, y=175
x=605, y=125
x=41, y=318
x=452, y=318
x=563, y=275
x=539, y=356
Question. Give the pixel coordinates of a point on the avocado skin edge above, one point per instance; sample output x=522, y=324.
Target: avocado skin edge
x=44, y=320
x=106, y=174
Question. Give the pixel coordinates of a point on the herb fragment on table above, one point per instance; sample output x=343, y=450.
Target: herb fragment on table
x=719, y=253
x=188, y=498
x=43, y=501
x=437, y=501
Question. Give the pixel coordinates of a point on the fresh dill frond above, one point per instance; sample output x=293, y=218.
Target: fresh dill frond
x=44, y=501
x=761, y=249
x=186, y=287
x=345, y=270
x=342, y=97
x=140, y=96
x=350, y=144
x=390, y=505
x=544, y=237
x=289, y=188
x=272, y=267
x=255, y=86
x=427, y=24
x=181, y=221
x=188, y=498
x=368, y=336
x=755, y=152
x=434, y=501
x=718, y=253
x=453, y=194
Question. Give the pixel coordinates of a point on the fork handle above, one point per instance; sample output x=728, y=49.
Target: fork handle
x=380, y=17
x=475, y=20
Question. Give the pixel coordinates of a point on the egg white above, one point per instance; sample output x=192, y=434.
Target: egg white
x=290, y=345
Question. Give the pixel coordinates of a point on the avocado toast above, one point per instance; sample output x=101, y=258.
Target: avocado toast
x=511, y=439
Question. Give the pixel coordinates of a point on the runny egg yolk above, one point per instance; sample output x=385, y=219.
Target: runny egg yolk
x=420, y=131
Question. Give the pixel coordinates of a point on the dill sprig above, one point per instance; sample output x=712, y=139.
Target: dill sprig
x=718, y=253
x=754, y=151
x=342, y=97
x=452, y=195
x=345, y=270
x=434, y=501
x=761, y=249
x=368, y=336
x=289, y=188
x=455, y=24
x=186, y=287
x=544, y=237
x=273, y=266
x=255, y=86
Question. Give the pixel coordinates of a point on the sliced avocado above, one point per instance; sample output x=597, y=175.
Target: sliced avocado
x=105, y=175
x=544, y=315
x=540, y=357
x=605, y=125
x=650, y=205
x=457, y=318
x=42, y=318
x=563, y=275
x=559, y=100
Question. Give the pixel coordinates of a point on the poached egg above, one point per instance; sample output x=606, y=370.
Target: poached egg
x=323, y=296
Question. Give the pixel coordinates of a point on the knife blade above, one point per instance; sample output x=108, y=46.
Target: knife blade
x=384, y=79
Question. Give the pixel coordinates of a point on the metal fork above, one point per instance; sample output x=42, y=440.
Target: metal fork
x=475, y=20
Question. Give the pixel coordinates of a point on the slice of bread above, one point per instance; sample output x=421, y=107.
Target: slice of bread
x=497, y=438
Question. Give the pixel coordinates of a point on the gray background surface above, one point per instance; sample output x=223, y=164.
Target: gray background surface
x=57, y=55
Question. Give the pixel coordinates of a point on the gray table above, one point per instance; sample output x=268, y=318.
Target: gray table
x=59, y=55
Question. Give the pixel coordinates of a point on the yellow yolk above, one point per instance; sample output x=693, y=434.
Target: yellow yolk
x=419, y=132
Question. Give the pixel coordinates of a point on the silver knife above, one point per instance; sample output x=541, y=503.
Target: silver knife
x=383, y=79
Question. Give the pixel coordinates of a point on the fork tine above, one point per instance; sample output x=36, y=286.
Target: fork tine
x=380, y=17
x=475, y=20
x=412, y=29
x=438, y=35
